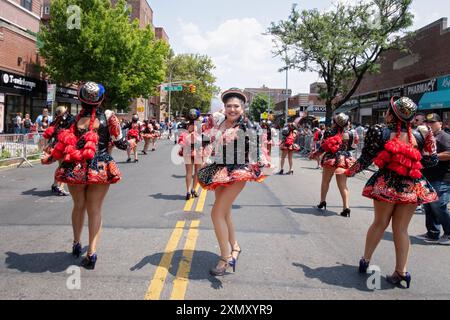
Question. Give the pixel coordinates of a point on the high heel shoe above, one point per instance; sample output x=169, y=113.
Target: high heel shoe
x=322, y=205
x=222, y=271
x=188, y=196
x=194, y=194
x=291, y=172
x=346, y=213
x=281, y=172
x=89, y=261
x=238, y=253
x=76, y=249
x=363, y=265
x=397, y=278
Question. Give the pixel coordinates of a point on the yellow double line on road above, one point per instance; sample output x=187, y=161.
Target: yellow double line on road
x=181, y=281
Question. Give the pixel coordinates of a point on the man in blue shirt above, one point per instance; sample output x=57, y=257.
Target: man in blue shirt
x=44, y=114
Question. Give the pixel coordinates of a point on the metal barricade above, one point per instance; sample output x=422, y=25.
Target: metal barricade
x=20, y=147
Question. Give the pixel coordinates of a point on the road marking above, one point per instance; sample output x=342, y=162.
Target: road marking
x=157, y=284
x=190, y=202
x=181, y=281
x=201, y=201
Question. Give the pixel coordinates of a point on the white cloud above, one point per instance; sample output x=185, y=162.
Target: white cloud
x=242, y=55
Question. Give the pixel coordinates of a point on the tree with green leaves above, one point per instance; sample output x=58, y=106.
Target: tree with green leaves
x=342, y=44
x=197, y=69
x=106, y=47
x=259, y=105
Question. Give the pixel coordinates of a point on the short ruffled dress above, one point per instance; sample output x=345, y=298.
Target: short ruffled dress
x=338, y=160
x=219, y=173
x=289, y=146
x=388, y=186
x=102, y=169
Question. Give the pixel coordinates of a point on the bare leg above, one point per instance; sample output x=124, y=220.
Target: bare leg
x=222, y=206
x=283, y=158
x=78, y=193
x=95, y=195
x=400, y=222
x=383, y=214
x=290, y=155
x=147, y=143
x=327, y=175
x=341, y=180
x=196, y=169
x=188, y=177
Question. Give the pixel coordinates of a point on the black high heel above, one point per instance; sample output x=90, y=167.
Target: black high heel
x=188, y=196
x=291, y=172
x=397, y=278
x=222, y=271
x=129, y=160
x=76, y=249
x=194, y=194
x=363, y=265
x=346, y=213
x=322, y=205
x=89, y=261
x=281, y=172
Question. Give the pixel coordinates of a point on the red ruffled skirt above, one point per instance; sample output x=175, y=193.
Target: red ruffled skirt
x=339, y=160
x=388, y=186
x=215, y=175
x=292, y=147
x=100, y=170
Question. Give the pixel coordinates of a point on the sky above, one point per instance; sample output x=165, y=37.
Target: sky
x=231, y=33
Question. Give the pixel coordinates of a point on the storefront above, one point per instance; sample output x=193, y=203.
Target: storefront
x=68, y=97
x=19, y=94
x=438, y=101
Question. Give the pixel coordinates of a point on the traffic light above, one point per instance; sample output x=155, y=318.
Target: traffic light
x=192, y=88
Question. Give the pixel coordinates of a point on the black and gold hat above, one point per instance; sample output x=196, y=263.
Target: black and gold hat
x=432, y=117
x=404, y=108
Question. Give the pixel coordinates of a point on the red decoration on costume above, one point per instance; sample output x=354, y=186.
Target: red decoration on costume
x=401, y=157
x=332, y=144
x=48, y=133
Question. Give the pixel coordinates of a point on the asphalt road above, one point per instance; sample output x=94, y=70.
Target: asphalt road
x=154, y=245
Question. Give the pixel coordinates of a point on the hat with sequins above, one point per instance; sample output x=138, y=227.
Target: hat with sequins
x=404, y=108
x=91, y=93
x=341, y=119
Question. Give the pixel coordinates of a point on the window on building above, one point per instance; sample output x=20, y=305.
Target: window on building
x=47, y=10
x=27, y=4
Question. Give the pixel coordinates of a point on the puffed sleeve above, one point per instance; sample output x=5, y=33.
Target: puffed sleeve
x=115, y=131
x=373, y=144
x=429, y=152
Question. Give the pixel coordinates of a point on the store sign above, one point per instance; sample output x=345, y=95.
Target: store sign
x=319, y=109
x=51, y=89
x=12, y=80
x=368, y=98
x=444, y=83
x=388, y=94
x=66, y=93
x=421, y=88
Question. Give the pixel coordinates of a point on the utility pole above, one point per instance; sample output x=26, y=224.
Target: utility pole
x=170, y=91
x=287, y=96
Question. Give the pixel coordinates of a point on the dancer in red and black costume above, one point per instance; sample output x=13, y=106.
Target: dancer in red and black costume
x=133, y=137
x=86, y=166
x=147, y=132
x=191, y=149
x=335, y=148
x=63, y=120
x=398, y=186
x=288, y=146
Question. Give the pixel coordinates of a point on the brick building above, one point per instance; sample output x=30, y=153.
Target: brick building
x=303, y=104
x=421, y=74
x=22, y=88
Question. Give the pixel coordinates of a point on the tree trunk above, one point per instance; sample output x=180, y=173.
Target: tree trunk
x=329, y=113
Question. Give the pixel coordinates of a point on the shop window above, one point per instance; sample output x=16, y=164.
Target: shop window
x=27, y=4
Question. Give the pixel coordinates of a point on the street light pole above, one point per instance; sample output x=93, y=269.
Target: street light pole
x=170, y=91
x=287, y=97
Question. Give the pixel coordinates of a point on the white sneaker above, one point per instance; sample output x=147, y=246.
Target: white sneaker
x=444, y=240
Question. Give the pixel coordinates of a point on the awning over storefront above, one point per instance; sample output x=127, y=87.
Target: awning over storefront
x=435, y=100
x=345, y=108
